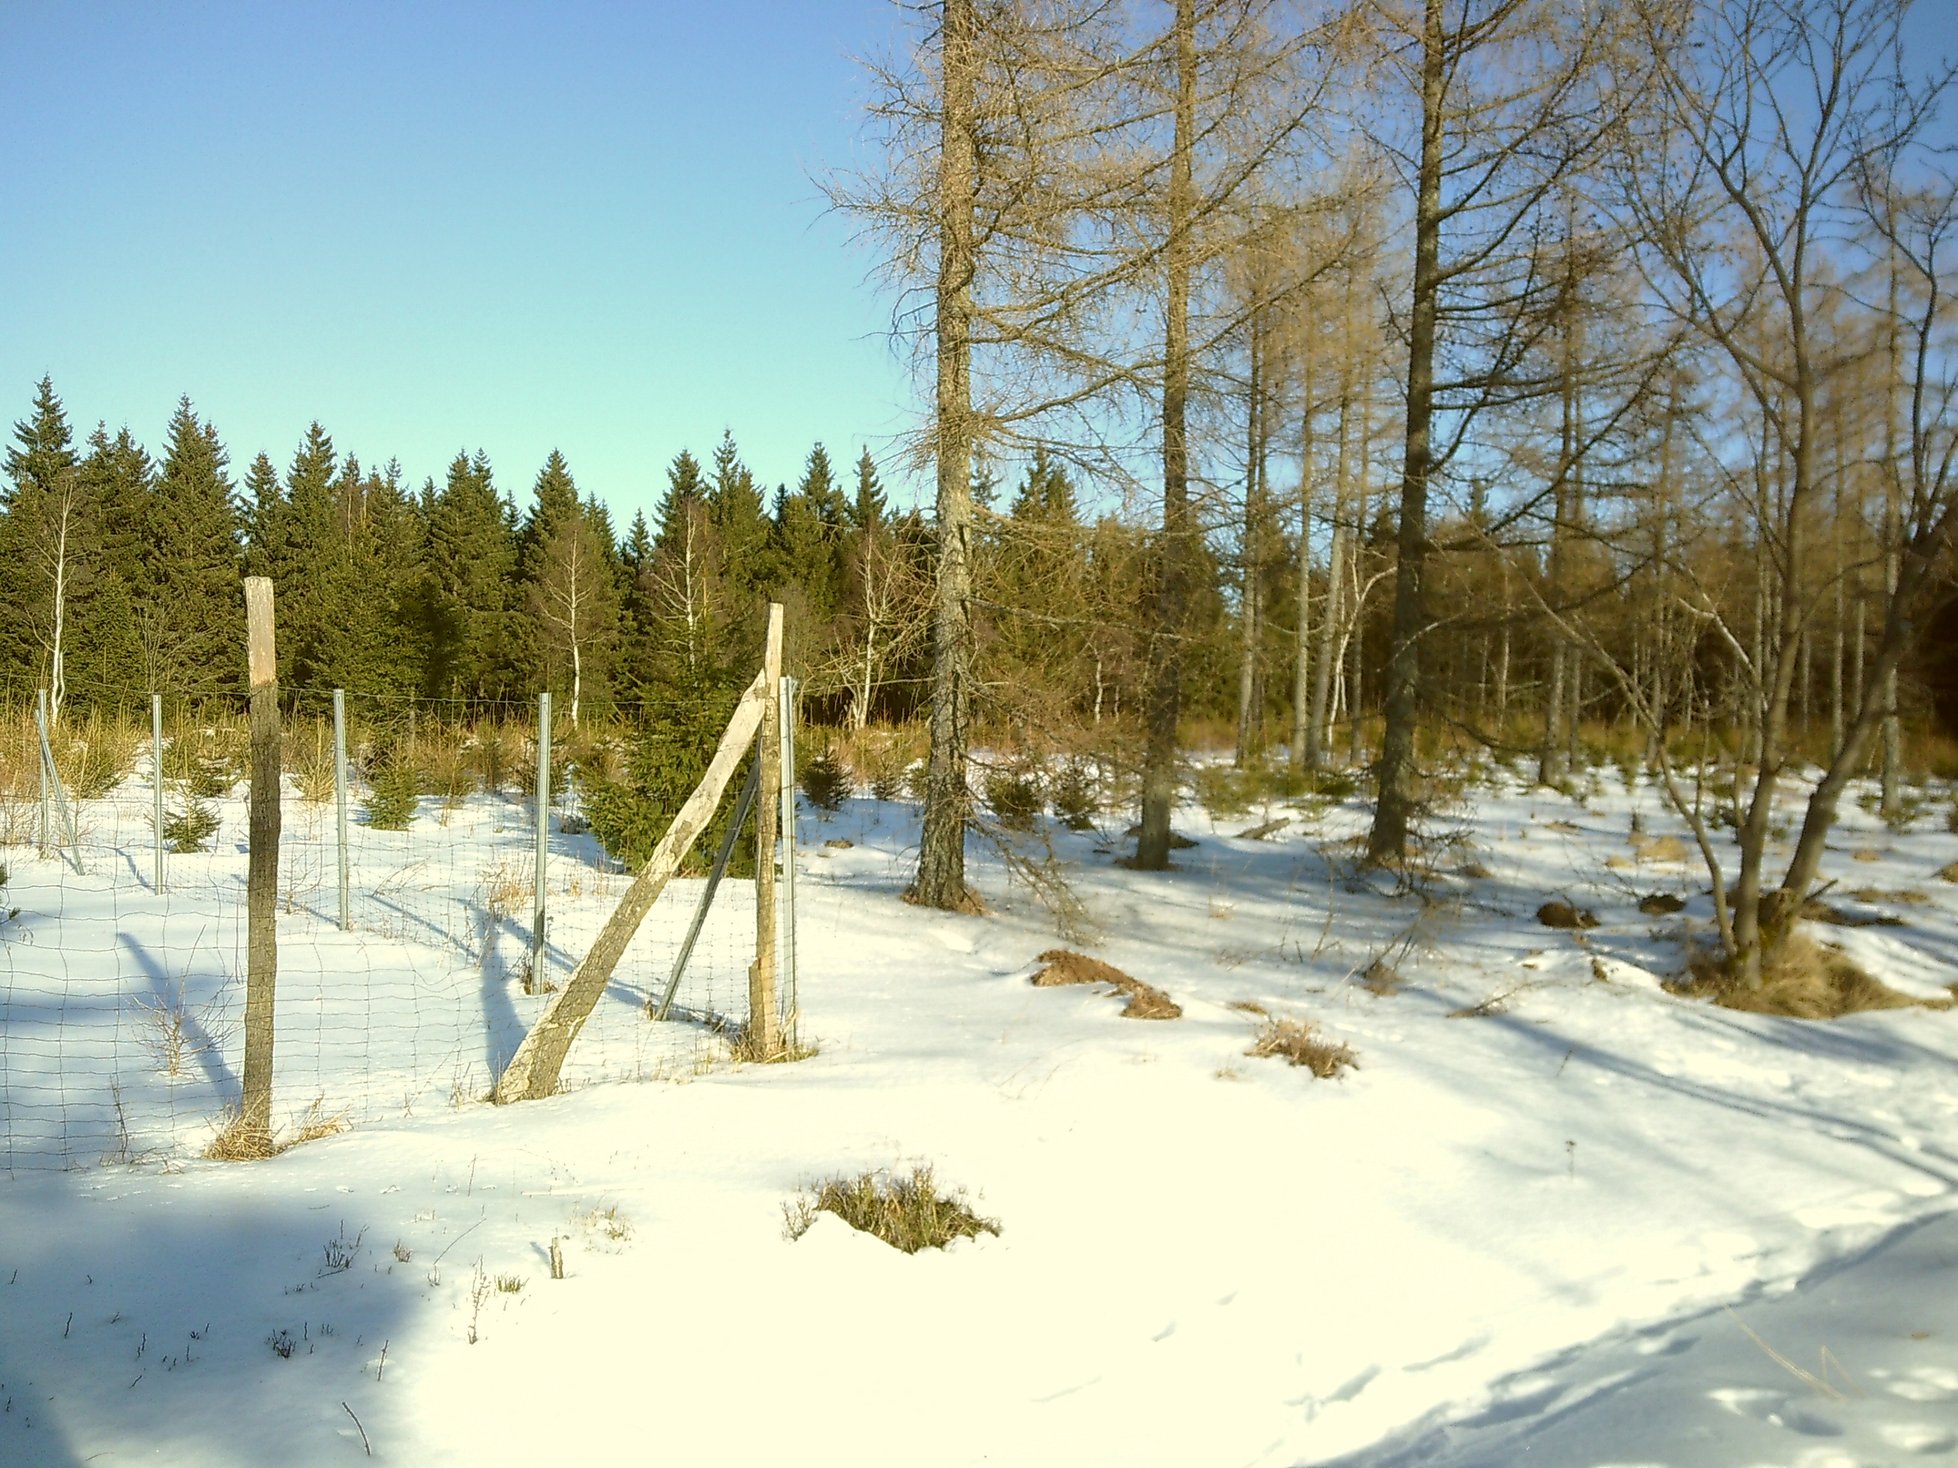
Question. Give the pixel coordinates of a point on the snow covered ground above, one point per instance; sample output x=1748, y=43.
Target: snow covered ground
x=1557, y=1215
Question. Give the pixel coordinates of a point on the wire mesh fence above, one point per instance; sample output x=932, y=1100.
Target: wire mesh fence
x=123, y=922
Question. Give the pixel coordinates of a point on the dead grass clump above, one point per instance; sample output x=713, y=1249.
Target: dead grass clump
x=1948, y=872
x=746, y=1047
x=1659, y=848
x=1299, y=1044
x=1661, y=904
x=1064, y=966
x=1800, y=979
x=908, y=1213
x=315, y=1124
x=241, y=1141
x=1381, y=978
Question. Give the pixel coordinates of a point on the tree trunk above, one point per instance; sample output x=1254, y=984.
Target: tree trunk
x=1395, y=806
x=1249, y=631
x=1166, y=649
x=940, y=880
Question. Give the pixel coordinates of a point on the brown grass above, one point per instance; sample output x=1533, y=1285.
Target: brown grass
x=745, y=1047
x=238, y=1141
x=1948, y=872
x=1801, y=979
x=1659, y=848
x=908, y=1213
x=1381, y=978
x=1299, y=1044
x=1064, y=966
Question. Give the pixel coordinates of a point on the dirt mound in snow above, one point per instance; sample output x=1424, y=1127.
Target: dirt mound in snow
x=1064, y=966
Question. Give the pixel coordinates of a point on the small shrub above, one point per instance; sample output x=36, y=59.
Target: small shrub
x=824, y=781
x=393, y=788
x=1074, y=798
x=495, y=748
x=1014, y=796
x=96, y=760
x=188, y=829
x=312, y=777
x=1299, y=1044
x=908, y=1213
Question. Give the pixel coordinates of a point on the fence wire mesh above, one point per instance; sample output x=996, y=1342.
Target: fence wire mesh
x=122, y=1000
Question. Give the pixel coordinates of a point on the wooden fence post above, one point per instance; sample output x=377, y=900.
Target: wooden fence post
x=764, y=1037
x=262, y=883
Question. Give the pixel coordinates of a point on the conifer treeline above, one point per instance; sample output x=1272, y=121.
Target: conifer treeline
x=119, y=573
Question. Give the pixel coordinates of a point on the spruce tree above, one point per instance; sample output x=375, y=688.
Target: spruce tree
x=868, y=509
x=741, y=525
x=42, y=540
x=193, y=620
x=118, y=481
x=471, y=562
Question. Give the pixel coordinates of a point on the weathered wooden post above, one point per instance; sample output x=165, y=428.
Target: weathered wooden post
x=791, y=1003
x=764, y=1037
x=262, y=879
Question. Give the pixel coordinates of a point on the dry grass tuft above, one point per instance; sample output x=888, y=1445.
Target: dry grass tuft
x=908, y=1213
x=1064, y=966
x=1948, y=872
x=1866, y=853
x=1661, y=904
x=1801, y=979
x=241, y=1141
x=1381, y=978
x=1299, y=1044
x=315, y=1124
x=1659, y=848
x=746, y=1048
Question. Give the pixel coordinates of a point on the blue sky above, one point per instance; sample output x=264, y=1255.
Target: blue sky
x=440, y=226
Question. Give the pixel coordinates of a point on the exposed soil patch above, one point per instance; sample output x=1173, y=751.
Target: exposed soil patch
x=1064, y=966
x=1563, y=915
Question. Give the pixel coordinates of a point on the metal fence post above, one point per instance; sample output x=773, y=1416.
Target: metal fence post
x=543, y=838
x=340, y=801
x=156, y=780
x=41, y=729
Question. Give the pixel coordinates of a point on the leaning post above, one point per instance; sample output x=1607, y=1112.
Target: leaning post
x=262, y=872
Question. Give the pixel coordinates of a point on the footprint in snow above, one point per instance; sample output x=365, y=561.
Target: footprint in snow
x=1919, y=1437
x=1924, y=1384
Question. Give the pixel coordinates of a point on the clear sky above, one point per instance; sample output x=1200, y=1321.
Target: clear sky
x=439, y=225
